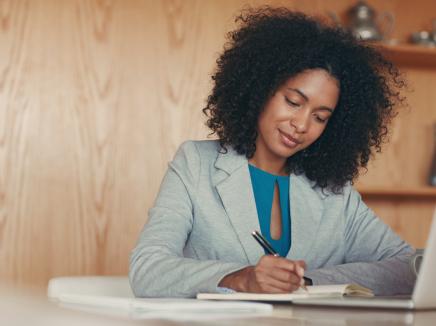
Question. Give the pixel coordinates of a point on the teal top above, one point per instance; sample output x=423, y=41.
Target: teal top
x=263, y=188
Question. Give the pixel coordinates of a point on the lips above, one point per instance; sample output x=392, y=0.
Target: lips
x=288, y=140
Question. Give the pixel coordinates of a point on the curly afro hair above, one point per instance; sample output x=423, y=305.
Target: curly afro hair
x=272, y=45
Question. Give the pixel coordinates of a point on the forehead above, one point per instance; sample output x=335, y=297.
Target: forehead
x=314, y=77
x=316, y=86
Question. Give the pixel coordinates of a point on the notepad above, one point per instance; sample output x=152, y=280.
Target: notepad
x=312, y=291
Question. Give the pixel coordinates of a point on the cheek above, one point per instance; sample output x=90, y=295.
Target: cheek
x=316, y=132
x=267, y=122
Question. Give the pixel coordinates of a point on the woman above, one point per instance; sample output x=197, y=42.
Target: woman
x=298, y=108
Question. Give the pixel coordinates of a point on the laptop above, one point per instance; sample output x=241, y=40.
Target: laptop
x=423, y=296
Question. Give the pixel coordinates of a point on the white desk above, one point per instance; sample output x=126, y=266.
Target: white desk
x=20, y=309
x=342, y=316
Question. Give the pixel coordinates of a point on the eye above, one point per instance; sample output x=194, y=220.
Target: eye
x=292, y=103
x=320, y=119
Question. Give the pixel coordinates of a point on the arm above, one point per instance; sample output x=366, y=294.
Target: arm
x=375, y=257
x=157, y=265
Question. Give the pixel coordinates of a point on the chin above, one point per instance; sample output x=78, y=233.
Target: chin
x=285, y=152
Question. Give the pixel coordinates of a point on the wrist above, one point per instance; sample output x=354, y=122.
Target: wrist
x=236, y=281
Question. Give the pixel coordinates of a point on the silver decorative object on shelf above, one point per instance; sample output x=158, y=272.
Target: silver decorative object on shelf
x=365, y=24
x=426, y=38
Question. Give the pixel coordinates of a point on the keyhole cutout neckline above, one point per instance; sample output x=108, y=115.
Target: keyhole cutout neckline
x=264, y=184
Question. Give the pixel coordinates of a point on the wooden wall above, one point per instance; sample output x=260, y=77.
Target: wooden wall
x=96, y=95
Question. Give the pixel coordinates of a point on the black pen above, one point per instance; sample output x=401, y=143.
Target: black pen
x=269, y=249
x=264, y=243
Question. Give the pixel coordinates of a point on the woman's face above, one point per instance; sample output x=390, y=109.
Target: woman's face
x=297, y=114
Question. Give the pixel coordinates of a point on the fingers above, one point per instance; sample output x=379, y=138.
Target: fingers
x=301, y=263
x=278, y=275
x=272, y=285
x=301, y=267
x=284, y=275
x=294, y=266
x=267, y=281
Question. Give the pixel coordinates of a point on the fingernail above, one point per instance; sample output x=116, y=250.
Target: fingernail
x=303, y=284
x=300, y=271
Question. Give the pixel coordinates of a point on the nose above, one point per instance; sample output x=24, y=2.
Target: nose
x=301, y=120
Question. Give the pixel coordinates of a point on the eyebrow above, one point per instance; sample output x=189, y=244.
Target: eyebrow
x=307, y=99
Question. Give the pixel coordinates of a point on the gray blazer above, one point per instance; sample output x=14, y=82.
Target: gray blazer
x=199, y=230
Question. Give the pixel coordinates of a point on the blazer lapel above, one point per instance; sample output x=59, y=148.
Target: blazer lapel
x=306, y=212
x=233, y=184
x=235, y=191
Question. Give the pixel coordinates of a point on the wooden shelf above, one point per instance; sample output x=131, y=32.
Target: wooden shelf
x=424, y=192
x=409, y=54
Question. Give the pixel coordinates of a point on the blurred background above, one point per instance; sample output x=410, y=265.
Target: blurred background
x=96, y=95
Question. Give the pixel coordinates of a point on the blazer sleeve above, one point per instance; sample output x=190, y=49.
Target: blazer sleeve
x=375, y=257
x=157, y=265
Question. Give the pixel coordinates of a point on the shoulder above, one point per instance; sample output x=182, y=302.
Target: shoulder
x=346, y=194
x=192, y=154
x=199, y=149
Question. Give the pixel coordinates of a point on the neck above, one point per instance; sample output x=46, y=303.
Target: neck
x=269, y=164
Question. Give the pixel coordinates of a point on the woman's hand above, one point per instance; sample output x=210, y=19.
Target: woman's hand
x=271, y=275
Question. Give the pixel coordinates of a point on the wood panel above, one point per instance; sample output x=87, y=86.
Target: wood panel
x=406, y=159
x=96, y=95
x=410, y=219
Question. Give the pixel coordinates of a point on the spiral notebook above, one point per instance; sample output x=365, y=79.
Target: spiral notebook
x=337, y=290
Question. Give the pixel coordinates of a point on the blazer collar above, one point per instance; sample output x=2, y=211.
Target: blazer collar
x=230, y=160
x=233, y=183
